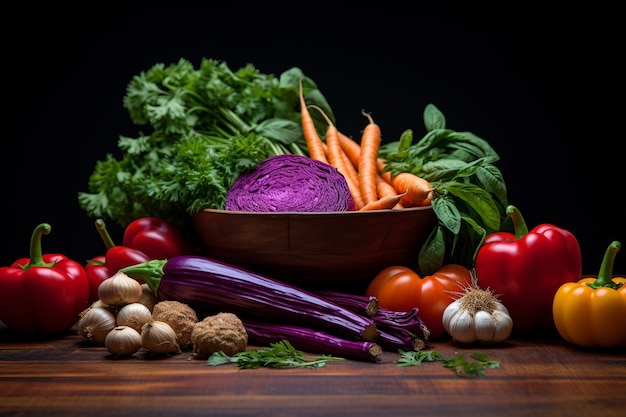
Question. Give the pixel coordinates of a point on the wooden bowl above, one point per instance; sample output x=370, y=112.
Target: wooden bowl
x=337, y=250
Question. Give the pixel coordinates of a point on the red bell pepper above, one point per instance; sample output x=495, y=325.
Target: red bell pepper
x=156, y=238
x=97, y=271
x=43, y=294
x=117, y=257
x=144, y=239
x=526, y=269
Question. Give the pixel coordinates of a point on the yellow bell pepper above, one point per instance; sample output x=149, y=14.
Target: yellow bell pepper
x=592, y=311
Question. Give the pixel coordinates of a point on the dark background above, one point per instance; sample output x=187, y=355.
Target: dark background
x=542, y=86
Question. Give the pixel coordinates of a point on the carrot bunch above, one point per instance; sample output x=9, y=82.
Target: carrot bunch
x=371, y=188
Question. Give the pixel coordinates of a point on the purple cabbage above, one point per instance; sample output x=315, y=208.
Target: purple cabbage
x=290, y=183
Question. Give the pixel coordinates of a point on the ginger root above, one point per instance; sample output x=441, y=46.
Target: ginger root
x=180, y=316
x=221, y=332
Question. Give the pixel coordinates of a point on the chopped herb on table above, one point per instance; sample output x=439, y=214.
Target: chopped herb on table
x=279, y=355
x=458, y=363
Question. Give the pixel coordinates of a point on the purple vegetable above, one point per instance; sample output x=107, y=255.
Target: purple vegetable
x=361, y=304
x=398, y=329
x=290, y=182
x=207, y=284
x=312, y=340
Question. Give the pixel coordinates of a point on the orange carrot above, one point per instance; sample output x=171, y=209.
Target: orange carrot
x=313, y=141
x=417, y=189
x=385, y=189
x=353, y=151
x=338, y=159
x=370, y=144
x=351, y=148
x=354, y=178
x=383, y=203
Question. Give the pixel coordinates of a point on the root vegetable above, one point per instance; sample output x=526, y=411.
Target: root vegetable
x=223, y=332
x=180, y=316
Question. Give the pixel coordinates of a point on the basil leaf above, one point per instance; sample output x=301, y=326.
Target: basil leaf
x=478, y=200
x=433, y=118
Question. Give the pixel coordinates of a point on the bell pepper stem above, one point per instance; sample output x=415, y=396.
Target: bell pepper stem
x=104, y=234
x=35, y=253
x=518, y=221
x=149, y=272
x=605, y=275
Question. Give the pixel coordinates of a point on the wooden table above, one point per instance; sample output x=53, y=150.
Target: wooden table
x=538, y=377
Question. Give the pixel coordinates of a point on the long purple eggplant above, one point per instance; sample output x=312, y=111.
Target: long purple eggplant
x=360, y=304
x=312, y=340
x=208, y=284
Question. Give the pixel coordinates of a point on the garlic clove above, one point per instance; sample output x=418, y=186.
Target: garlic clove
x=95, y=323
x=134, y=315
x=504, y=325
x=462, y=327
x=448, y=314
x=484, y=326
x=159, y=337
x=119, y=290
x=148, y=298
x=123, y=341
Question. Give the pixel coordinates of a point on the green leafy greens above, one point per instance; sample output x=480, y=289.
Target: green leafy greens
x=470, y=196
x=279, y=355
x=458, y=363
x=203, y=127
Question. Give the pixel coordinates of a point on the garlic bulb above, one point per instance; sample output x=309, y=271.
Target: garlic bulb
x=123, y=341
x=159, y=337
x=148, y=298
x=477, y=316
x=119, y=290
x=134, y=315
x=95, y=323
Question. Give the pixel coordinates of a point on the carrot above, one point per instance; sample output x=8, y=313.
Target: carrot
x=417, y=189
x=314, y=143
x=351, y=148
x=354, y=178
x=353, y=151
x=385, y=189
x=370, y=144
x=383, y=203
x=338, y=159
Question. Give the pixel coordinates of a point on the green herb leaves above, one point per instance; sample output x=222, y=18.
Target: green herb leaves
x=458, y=363
x=202, y=127
x=470, y=196
x=279, y=355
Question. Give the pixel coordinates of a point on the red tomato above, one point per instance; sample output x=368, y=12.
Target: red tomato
x=400, y=288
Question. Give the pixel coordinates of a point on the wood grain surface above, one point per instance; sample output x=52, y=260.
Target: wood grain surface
x=538, y=377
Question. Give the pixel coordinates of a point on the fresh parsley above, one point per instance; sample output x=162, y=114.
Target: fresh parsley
x=202, y=126
x=279, y=355
x=458, y=363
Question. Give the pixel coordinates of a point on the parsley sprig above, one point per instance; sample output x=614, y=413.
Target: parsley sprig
x=279, y=355
x=200, y=127
x=458, y=363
